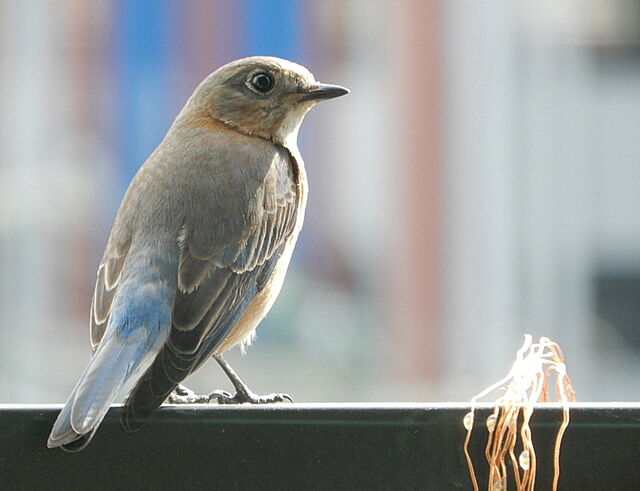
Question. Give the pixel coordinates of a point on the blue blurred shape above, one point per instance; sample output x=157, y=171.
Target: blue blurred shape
x=273, y=28
x=143, y=65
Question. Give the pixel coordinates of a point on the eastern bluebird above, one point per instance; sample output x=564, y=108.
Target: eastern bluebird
x=200, y=245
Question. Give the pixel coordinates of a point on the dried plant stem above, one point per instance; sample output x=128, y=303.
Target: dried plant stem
x=526, y=384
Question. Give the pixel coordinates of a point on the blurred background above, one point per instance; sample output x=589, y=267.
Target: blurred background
x=481, y=181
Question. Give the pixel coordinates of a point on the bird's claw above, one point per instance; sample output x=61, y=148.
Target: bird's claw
x=184, y=395
x=223, y=397
x=220, y=396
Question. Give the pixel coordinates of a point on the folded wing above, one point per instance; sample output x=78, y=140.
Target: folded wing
x=218, y=279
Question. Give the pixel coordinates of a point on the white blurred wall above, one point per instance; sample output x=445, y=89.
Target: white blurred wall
x=474, y=186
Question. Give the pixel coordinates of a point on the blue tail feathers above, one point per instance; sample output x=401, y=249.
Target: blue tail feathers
x=110, y=367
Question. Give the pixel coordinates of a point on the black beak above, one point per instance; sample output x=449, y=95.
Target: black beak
x=324, y=91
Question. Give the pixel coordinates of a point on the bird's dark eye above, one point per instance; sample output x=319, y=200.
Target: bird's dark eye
x=262, y=82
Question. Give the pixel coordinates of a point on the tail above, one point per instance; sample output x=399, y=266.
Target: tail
x=154, y=386
x=109, y=368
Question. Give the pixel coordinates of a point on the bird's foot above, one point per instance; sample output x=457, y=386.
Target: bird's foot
x=247, y=397
x=243, y=394
x=184, y=395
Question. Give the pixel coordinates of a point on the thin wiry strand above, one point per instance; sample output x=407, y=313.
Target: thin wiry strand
x=525, y=385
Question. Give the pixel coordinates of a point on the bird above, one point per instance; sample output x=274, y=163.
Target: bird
x=200, y=246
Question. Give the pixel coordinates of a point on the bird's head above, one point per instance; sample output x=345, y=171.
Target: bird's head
x=262, y=96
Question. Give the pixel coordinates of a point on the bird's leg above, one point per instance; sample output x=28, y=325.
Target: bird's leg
x=184, y=395
x=243, y=394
